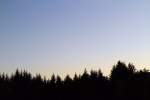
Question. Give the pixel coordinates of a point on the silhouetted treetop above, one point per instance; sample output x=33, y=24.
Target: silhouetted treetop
x=119, y=71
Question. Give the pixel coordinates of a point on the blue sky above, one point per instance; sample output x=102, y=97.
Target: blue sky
x=65, y=36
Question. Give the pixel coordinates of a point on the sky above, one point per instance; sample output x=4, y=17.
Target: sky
x=67, y=36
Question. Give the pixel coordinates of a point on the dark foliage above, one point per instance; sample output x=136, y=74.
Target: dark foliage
x=124, y=83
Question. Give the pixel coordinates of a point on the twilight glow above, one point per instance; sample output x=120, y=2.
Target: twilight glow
x=66, y=36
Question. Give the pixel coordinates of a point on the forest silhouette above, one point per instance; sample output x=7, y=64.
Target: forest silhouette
x=123, y=83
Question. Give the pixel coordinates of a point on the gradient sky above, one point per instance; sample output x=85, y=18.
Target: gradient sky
x=65, y=36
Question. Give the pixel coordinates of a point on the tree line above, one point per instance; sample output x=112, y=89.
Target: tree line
x=123, y=83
